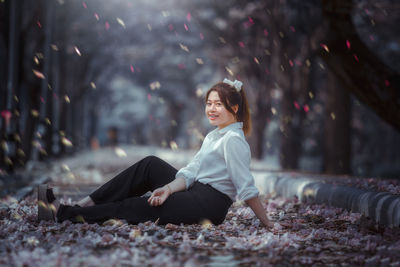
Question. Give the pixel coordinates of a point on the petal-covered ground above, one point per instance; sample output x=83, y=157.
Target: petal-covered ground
x=303, y=234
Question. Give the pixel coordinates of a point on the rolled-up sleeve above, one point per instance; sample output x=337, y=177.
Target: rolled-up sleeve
x=190, y=171
x=237, y=157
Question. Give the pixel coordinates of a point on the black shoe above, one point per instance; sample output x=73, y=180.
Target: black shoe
x=46, y=210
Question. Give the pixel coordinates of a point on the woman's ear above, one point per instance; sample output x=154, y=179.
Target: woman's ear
x=235, y=108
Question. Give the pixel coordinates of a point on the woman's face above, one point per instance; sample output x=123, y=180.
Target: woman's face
x=216, y=113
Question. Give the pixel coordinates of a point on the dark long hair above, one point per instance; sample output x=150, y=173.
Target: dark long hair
x=229, y=98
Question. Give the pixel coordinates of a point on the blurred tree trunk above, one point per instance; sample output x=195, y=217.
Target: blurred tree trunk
x=40, y=149
x=337, y=142
x=63, y=69
x=357, y=67
x=260, y=121
x=4, y=37
x=293, y=102
x=9, y=128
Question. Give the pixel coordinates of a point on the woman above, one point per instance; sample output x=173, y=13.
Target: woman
x=204, y=189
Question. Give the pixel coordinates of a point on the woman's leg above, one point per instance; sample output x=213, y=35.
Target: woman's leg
x=192, y=206
x=145, y=175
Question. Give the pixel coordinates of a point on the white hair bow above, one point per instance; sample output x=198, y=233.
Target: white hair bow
x=237, y=84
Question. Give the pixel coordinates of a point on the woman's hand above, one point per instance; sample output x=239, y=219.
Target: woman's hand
x=159, y=196
x=258, y=209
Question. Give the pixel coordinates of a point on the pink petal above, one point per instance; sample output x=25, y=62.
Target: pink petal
x=348, y=44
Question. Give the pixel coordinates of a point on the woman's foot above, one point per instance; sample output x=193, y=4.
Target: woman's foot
x=47, y=204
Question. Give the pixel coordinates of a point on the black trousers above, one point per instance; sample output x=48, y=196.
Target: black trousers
x=121, y=198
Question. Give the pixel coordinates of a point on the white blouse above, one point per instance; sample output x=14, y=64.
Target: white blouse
x=223, y=162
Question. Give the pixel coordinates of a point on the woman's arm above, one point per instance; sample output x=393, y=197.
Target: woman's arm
x=159, y=195
x=255, y=204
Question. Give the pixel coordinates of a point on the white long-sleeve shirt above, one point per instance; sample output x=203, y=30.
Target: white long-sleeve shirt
x=223, y=162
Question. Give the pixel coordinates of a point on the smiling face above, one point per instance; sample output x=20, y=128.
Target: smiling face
x=216, y=112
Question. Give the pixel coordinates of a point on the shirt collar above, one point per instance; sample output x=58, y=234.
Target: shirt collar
x=235, y=125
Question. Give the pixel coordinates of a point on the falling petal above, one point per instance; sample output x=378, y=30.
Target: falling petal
x=20, y=152
x=229, y=71
x=273, y=110
x=291, y=63
x=333, y=116
x=149, y=97
x=189, y=16
x=155, y=85
x=47, y=120
x=199, y=92
x=173, y=145
x=199, y=61
x=348, y=44
x=121, y=22
x=84, y=5
x=120, y=152
x=65, y=167
x=54, y=47
x=241, y=44
x=66, y=142
x=93, y=85
x=38, y=74
x=222, y=40
x=132, y=69
x=39, y=24
x=96, y=16
x=6, y=114
x=149, y=27
x=296, y=105
x=34, y=113
x=107, y=25
x=201, y=36
x=265, y=32
x=356, y=58
x=36, y=60
x=306, y=108
x=66, y=98
x=251, y=21
x=77, y=51
x=186, y=27
x=36, y=144
x=183, y=47
x=42, y=204
x=171, y=27
x=324, y=46
x=292, y=29
x=387, y=83
x=181, y=66
x=256, y=60
x=165, y=13
x=41, y=99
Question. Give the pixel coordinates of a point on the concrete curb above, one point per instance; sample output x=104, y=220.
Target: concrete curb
x=382, y=207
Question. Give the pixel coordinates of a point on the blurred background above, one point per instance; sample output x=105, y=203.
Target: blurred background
x=322, y=78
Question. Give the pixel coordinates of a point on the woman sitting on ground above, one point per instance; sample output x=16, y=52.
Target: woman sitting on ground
x=204, y=189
